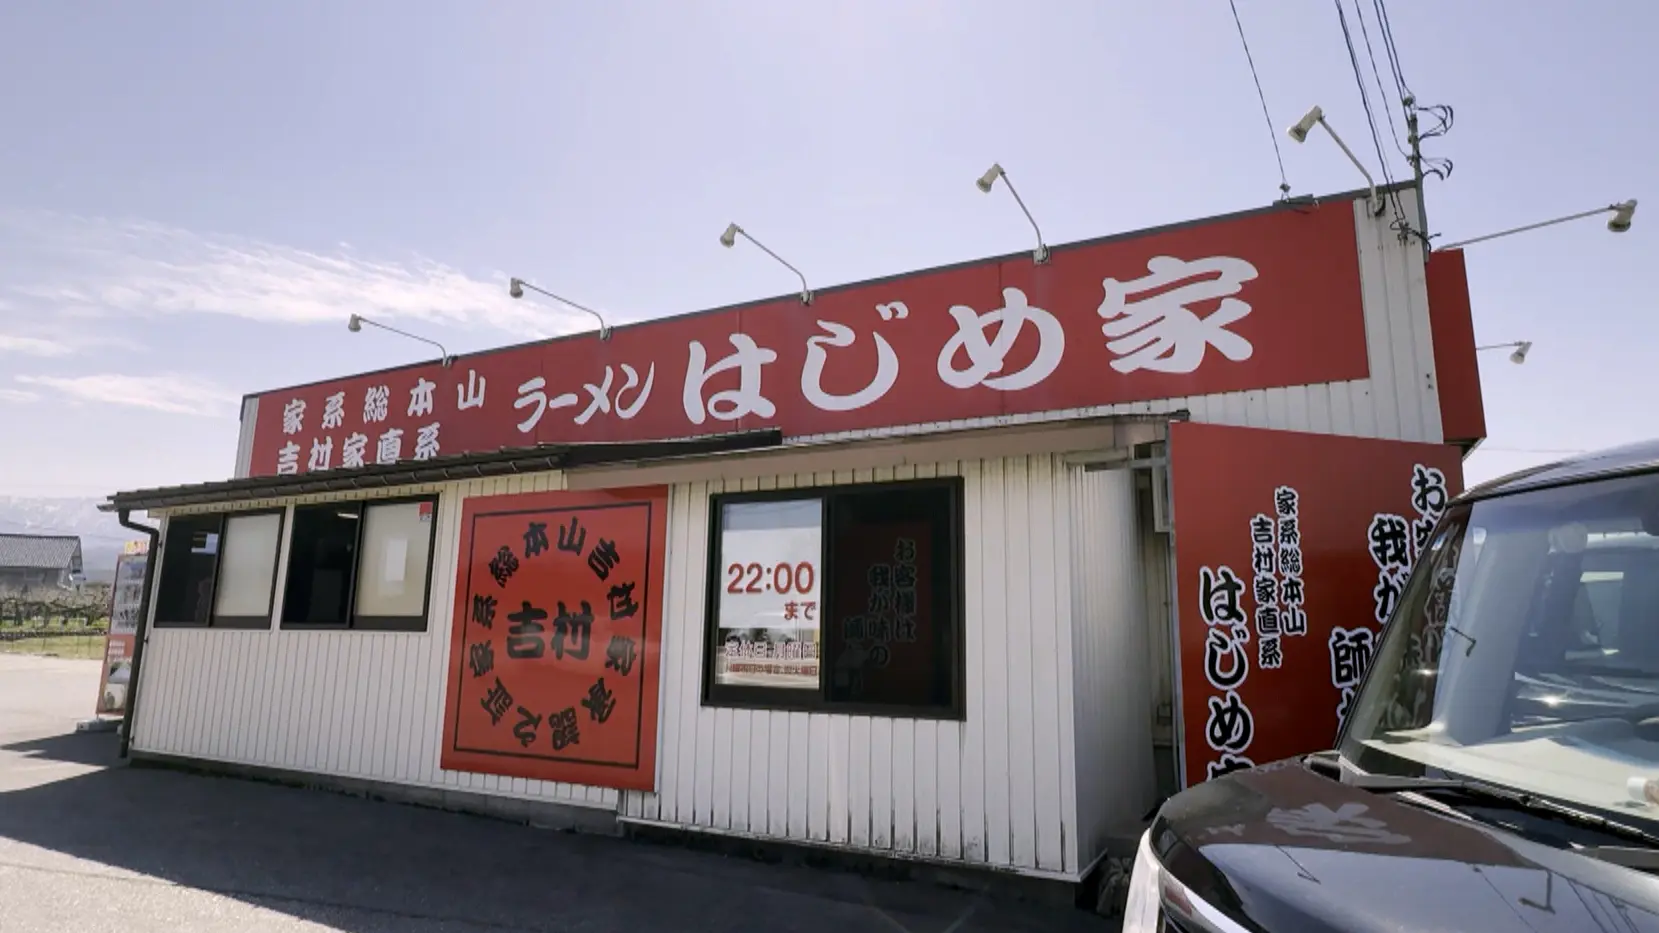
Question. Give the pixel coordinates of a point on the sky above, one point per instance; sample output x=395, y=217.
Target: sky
x=194, y=196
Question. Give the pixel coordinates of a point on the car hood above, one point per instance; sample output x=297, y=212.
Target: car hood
x=1283, y=848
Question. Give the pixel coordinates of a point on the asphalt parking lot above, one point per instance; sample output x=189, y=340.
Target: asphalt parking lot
x=87, y=844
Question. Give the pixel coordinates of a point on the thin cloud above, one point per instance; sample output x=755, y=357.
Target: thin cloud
x=33, y=346
x=172, y=393
x=58, y=265
x=22, y=396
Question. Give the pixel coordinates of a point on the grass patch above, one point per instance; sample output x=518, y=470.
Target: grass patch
x=80, y=647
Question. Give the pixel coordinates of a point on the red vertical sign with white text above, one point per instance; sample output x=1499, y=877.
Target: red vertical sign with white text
x=1291, y=550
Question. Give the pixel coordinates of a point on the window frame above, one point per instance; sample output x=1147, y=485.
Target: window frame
x=353, y=622
x=784, y=699
x=214, y=620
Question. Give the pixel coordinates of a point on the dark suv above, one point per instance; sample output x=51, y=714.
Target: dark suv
x=1500, y=767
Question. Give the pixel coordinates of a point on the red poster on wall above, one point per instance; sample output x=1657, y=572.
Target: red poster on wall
x=1291, y=551
x=557, y=637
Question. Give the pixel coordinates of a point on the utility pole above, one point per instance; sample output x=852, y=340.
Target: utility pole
x=1410, y=104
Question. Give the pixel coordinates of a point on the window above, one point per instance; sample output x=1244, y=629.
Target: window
x=845, y=599
x=219, y=570
x=247, y=570
x=364, y=565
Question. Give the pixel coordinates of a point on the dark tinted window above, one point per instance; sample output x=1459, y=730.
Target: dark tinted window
x=891, y=631
x=321, y=562
x=189, y=557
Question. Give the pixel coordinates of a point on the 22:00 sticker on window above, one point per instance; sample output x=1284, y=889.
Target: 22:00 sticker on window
x=782, y=577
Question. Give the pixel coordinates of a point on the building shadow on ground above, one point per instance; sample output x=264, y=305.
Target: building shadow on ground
x=367, y=866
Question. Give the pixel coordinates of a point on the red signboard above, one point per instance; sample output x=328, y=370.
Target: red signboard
x=1248, y=302
x=557, y=637
x=1291, y=550
x=1452, y=330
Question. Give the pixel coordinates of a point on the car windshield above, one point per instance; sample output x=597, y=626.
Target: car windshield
x=1525, y=651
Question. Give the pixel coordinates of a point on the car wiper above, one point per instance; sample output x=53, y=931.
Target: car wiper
x=1493, y=796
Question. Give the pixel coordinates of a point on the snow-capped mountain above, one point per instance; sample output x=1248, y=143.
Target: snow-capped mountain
x=102, y=537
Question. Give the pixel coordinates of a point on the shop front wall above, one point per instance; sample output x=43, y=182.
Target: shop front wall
x=999, y=788
x=1052, y=749
x=355, y=704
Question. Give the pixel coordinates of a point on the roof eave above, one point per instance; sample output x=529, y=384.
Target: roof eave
x=536, y=459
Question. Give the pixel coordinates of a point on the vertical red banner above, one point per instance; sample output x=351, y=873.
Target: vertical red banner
x=1291, y=550
x=557, y=635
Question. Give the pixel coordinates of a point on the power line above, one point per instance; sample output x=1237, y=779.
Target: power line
x=1272, y=133
x=1393, y=50
x=1370, y=115
x=1393, y=131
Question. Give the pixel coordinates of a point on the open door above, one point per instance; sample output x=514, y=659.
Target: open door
x=1291, y=550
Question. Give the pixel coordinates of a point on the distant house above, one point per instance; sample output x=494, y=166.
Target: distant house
x=29, y=562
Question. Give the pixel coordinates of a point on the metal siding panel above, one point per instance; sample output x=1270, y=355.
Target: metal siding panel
x=154, y=681
x=903, y=762
x=858, y=781
x=1016, y=638
x=703, y=733
x=1424, y=370
x=1052, y=671
x=818, y=768
x=169, y=685
x=1378, y=298
x=975, y=846
x=222, y=653
x=345, y=718
x=1115, y=684
x=329, y=685
x=204, y=691
x=924, y=766
x=995, y=688
x=197, y=691
x=413, y=647
x=244, y=440
x=796, y=787
x=948, y=789
x=694, y=512
x=840, y=780
x=223, y=739
x=881, y=783
x=251, y=649
x=156, y=726
x=755, y=783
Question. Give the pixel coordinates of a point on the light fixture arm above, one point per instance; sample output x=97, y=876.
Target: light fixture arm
x=446, y=359
x=806, y=292
x=1543, y=223
x=1040, y=254
x=1522, y=348
x=604, y=328
x=1376, y=204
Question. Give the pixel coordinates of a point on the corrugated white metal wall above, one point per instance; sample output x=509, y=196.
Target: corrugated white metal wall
x=999, y=789
x=365, y=705
x=1113, y=685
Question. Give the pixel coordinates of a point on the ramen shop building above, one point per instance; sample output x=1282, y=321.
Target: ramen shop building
x=960, y=566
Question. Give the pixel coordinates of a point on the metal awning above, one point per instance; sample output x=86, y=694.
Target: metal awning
x=437, y=470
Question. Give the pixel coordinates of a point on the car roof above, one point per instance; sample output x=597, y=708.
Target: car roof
x=1640, y=457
